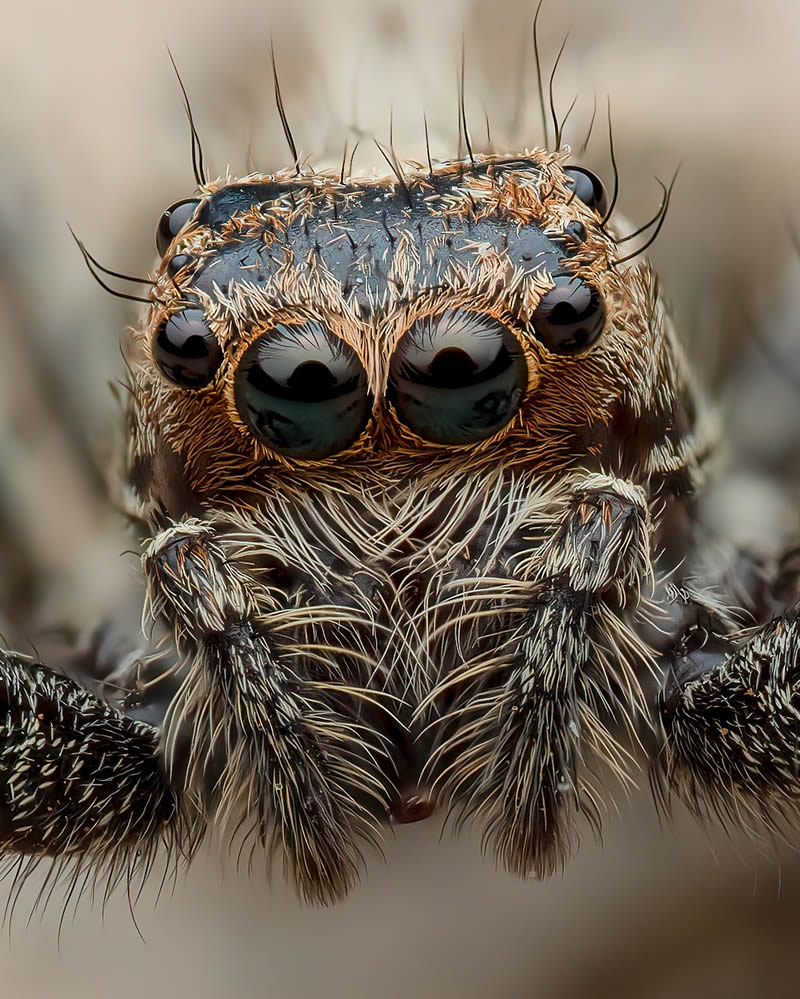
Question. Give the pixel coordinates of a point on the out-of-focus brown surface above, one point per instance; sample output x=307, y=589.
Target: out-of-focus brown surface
x=92, y=130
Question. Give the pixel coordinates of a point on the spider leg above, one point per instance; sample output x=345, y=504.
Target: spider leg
x=294, y=761
x=568, y=662
x=731, y=723
x=80, y=781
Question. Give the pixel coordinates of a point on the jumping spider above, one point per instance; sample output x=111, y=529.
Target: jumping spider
x=418, y=461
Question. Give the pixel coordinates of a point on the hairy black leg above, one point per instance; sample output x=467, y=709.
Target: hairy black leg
x=566, y=660
x=731, y=718
x=79, y=781
x=296, y=760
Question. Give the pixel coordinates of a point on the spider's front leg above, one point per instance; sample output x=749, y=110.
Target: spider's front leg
x=731, y=719
x=567, y=657
x=295, y=760
x=79, y=780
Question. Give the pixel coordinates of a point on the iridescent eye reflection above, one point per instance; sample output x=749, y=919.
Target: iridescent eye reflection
x=457, y=377
x=302, y=391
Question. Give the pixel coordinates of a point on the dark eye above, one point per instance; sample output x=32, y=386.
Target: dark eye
x=588, y=187
x=570, y=317
x=303, y=391
x=172, y=221
x=575, y=232
x=186, y=350
x=457, y=377
x=177, y=263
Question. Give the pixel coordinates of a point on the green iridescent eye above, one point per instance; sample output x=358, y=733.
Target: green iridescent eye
x=457, y=377
x=302, y=391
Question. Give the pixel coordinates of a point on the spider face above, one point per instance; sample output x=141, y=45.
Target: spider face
x=375, y=325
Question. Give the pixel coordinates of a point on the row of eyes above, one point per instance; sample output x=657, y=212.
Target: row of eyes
x=456, y=377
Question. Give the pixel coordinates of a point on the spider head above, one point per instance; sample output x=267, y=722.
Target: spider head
x=304, y=322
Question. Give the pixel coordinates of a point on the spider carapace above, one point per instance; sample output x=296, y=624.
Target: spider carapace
x=418, y=461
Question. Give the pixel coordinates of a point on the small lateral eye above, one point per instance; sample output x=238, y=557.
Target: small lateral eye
x=457, y=377
x=575, y=231
x=177, y=263
x=186, y=350
x=172, y=221
x=588, y=187
x=570, y=317
x=303, y=391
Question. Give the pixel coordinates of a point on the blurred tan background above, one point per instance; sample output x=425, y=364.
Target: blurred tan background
x=92, y=130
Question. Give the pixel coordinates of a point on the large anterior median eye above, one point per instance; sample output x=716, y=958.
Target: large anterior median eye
x=457, y=377
x=302, y=391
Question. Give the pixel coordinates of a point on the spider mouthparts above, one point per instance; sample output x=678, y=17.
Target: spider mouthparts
x=413, y=805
